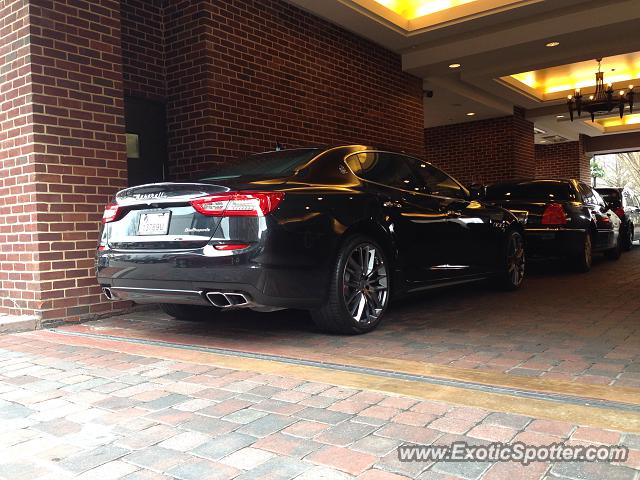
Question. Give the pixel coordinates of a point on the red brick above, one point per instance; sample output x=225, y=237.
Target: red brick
x=343, y=459
x=563, y=160
x=484, y=151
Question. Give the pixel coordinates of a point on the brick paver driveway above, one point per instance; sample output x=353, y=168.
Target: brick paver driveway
x=89, y=412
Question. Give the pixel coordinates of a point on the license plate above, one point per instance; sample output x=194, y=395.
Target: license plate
x=154, y=223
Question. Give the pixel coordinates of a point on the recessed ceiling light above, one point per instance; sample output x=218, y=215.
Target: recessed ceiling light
x=559, y=116
x=543, y=141
x=552, y=44
x=455, y=65
x=471, y=114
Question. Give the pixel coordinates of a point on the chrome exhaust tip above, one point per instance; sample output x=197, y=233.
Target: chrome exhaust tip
x=228, y=300
x=237, y=299
x=108, y=293
x=218, y=299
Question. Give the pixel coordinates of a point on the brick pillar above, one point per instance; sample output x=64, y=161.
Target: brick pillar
x=19, y=289
x=71, y=159
x=484, y=151
x=564, y=160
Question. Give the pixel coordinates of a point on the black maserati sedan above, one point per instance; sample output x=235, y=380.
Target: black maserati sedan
x=561, y=218
x=339, y=231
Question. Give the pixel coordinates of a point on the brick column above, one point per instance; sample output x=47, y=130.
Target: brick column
x=19, y=289
x=71, y=155
x=564, y=160
x=484, y=151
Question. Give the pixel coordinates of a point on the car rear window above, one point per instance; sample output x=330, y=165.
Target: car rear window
x=538, y=191
x=270, y=164
x=611, y=195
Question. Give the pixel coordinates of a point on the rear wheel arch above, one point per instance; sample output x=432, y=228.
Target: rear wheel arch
x=376, y=232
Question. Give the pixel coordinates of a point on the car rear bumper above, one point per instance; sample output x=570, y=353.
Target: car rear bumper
x=554, y=241
x=186, y=277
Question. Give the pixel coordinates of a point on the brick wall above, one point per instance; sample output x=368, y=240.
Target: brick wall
x=483, y=151
x=243, y=74
x=18, y=235
x=143, y=48
x=563, y=160
x=78, y=158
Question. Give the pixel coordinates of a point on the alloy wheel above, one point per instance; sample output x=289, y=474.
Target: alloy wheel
x=516, y=259
x=365, y=284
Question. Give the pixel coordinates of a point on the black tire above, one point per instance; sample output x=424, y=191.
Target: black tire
x=359, y=289
x=615, y=252
x=627, y=243
x=513, y=263
x=190, y=313
x=584, y=259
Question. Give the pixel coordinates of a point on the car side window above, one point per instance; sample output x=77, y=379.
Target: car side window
x=384, y=168
x=587, y=194
x=436, y=181
x=598, y=200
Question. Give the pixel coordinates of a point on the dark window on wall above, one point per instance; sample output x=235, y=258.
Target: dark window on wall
x=146, y=140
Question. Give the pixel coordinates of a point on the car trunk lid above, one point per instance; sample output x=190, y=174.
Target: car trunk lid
x=160, y=216
x=529, y=213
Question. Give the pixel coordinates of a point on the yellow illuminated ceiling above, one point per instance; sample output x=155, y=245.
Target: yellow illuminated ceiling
x=411, y=9
x=617, y=124
x=558, y=82
x=412, y=15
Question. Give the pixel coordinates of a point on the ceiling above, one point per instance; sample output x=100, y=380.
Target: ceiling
x=412, y=9
x=502, y=53
x=557, y=82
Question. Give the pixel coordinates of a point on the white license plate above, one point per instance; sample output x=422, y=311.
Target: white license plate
x=154, y=223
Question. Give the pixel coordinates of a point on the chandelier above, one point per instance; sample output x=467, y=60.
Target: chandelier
x=604, y=99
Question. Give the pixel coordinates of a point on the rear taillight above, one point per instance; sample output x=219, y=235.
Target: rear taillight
x=238, y=204
x=554, y=214
x=111, y=213
x=229, y=247
x=620, y=212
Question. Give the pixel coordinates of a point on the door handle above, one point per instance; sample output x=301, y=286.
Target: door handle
x=392, y=204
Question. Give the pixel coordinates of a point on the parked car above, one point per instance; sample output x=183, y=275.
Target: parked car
x=626, y=205
x=561, y=218
x=338, y=231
